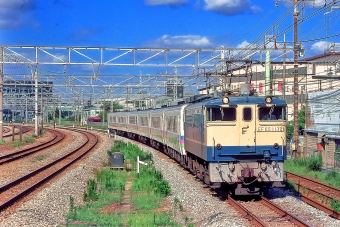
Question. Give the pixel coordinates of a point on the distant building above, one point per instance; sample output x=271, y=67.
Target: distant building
x=315, y=74
x=174, y=87
x=322, y=132
x=18, y=96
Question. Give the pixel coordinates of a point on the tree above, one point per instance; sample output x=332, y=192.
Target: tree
x=107, y=108
x=301, y=123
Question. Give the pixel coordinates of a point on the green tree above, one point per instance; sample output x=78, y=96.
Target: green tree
x=107, y=108
x=301, y=123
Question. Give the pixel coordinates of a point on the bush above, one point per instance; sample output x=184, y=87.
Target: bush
x=332, y=175
x=91, y=194
x=29, y=139
x=315, y=163
x=162, y=188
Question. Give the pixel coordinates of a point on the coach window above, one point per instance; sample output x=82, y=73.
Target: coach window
x=132, y=120
x=156, y=122
x=247, y=114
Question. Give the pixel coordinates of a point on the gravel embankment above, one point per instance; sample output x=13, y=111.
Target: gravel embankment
x=203, y=208
x=200, y=207
x=49, y=207
x=292, y=203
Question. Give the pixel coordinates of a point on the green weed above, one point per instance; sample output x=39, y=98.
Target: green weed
x=335, y=204
x=91, y=194
x=28, y=139
x=39, y=158
x=17, y=144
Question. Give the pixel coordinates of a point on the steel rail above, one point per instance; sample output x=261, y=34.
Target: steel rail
x=291, y=217
x=313, y=181
x=28, y=151
x=328, y=210
x=245, y=212
x=31, y=188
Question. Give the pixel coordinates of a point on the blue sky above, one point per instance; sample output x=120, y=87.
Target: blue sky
x=126, y=23
x=148, y=23
x=158, y=23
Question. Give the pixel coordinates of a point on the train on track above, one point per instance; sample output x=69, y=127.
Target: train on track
x=94, y=119
x=234, y=142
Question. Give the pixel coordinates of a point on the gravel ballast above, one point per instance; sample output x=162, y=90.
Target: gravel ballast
x=200, y=207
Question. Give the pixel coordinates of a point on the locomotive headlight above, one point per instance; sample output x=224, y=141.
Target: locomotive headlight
x=219, y=146
x=276, y=145
x=268, y=99
x=225, y=100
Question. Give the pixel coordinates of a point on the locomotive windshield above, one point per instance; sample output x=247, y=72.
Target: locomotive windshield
x=221, y=114
x=272, y=113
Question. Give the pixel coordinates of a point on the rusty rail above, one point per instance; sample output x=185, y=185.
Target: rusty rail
x=245, y=212
x=328, y=210
x=25, y=152
x=31, y=188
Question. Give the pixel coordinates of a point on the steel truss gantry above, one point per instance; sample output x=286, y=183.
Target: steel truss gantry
x=119, y=56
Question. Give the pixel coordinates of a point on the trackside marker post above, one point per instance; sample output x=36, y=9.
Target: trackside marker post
x=138, y=165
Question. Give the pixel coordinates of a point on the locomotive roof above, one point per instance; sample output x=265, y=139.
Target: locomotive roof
x=234, y=100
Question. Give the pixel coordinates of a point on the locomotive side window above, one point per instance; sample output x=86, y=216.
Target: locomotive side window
x=272, y=113
x=221, y=114
x=189, y=117
x=247, y=114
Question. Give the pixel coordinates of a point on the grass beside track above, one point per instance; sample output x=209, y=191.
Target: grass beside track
x=311, y=167
x=148, y=190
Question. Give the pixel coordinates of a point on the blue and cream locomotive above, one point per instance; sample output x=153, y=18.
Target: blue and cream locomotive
x=235, y=141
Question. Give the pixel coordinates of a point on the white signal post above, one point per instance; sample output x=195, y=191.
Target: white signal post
x=138, y=161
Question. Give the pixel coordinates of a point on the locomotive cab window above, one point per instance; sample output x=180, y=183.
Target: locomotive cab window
x=272, y=113
x=247, y=114
x=221, y=114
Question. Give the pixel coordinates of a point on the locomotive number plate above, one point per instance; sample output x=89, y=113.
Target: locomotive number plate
x=271, y=129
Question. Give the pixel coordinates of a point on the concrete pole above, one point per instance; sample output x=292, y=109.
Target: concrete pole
x=26, y=111
x=1, y=90
x=36, y=103
x=42, y=110
x=296, y=85
x=54, y=114
x=267, y=80
x=60, y=112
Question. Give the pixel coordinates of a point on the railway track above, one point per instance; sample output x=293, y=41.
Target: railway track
x=58, y=136
x=6, y=130
x=24, y=129
x=17, y=189
x=262, y=212
x=316, y=194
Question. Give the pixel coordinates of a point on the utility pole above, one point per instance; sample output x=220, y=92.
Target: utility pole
x=296, y=69
x=35, y=76
x=1, y=90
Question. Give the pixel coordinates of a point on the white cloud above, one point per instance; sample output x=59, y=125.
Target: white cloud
x=230, y=7
x=243, y=44
x=13, y=13
x=165, y=2
x=319, y=46
x=183, y=41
